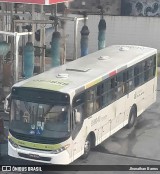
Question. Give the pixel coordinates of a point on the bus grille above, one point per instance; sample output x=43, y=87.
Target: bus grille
x=35, y=157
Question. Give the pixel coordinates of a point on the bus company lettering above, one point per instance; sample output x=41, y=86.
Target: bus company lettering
x=138, y=94
x=103, y=117
x=95, y=121
x=98, y=119
x=55, y=82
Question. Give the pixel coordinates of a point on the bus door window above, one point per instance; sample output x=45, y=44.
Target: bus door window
x=77, y=116
x=78, y=110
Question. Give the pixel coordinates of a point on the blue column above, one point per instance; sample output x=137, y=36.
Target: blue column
x=102, y=34
x=84, y=40
x=28, y=55
x=55, y=48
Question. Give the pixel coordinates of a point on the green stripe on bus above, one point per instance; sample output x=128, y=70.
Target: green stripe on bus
x=47, y=84
x=36, y=145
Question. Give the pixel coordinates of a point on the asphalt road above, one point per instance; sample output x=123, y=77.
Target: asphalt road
x=137, y=146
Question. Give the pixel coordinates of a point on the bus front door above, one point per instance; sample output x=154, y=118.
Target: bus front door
x=78, y=135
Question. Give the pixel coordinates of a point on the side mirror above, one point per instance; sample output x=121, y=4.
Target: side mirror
x=77, y=116
x=7, y=104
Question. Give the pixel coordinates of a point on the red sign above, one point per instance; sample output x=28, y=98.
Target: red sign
x=41, y=2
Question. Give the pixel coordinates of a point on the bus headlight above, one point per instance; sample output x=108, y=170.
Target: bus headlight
x=13, y=143
x=61, y=149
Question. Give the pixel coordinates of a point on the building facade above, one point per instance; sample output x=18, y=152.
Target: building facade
x=119, y=7
x=111, y=7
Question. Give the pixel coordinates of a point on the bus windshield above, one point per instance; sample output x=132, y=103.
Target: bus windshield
x=39, y=119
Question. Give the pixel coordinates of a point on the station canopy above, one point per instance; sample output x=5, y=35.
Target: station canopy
x=40, y=2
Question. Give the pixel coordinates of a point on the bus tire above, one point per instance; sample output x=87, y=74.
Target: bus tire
x=132, y=117
x=87, y=147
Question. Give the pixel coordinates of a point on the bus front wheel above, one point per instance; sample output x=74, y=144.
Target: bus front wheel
x=132, y=117
x=87, y=147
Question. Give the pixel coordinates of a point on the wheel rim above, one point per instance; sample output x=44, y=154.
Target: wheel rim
x=87, y=146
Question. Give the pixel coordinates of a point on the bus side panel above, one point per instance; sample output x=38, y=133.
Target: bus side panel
x=118, y=121
x=150, y=92
x=79, y=141
x=107, y=115
x=94, y=125
x=129, y=103
x=139, y=97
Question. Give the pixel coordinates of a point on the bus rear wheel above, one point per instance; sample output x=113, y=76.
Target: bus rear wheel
x=87, y=147
x=132, y=117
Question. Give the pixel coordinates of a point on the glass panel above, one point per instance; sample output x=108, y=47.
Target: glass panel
x=136, y=76
x=130, y=79
x=141, y=73
x=146, y=71
x=79, y=99
x=39, y=119
x=120, y=85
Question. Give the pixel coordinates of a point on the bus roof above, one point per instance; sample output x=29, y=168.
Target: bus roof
x=75, y=76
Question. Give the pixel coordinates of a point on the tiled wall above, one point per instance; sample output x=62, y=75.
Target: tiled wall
x=141, y=7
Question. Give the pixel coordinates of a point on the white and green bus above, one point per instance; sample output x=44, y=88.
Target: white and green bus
x=59, y=115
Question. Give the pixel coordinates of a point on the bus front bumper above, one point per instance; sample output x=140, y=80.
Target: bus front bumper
x=38, y=156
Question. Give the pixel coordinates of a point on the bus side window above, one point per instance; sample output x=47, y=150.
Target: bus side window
x=124, y=82
x=120, y=85
x=136, y=75
x=141, y=72
x=146, y=71
x=105, y=97
x=111, y=90
x=90, y=101
x=78, y=113
x=99, y=98
x=130, y=79
x=152, y=67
